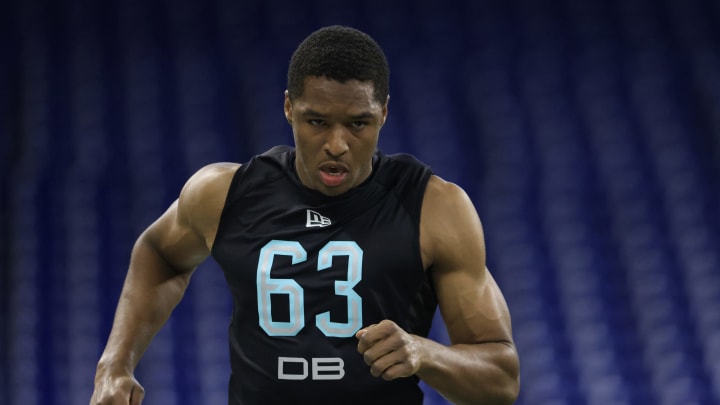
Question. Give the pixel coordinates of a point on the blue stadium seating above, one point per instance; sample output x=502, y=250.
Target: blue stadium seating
x=585, y=132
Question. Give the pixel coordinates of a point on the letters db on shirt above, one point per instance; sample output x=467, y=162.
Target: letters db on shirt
x=316, y=368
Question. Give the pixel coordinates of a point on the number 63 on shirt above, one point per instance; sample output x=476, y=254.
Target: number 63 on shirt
x=267, y=286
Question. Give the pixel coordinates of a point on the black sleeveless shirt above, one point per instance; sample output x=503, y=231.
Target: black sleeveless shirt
x=307, y=271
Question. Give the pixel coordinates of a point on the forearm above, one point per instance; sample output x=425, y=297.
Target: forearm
x=151, y=291
x=486, y=373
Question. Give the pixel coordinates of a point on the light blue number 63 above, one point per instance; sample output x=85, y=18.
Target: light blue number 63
x=267, y=286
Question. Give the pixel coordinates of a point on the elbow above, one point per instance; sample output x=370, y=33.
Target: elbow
x=499, y=387
x=505, y=392
x=507, y=387
x=510, y=390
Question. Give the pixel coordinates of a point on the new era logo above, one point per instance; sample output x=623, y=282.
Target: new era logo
x=315, y=219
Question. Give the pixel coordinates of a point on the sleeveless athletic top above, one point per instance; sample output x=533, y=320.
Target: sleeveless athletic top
x=307, y=271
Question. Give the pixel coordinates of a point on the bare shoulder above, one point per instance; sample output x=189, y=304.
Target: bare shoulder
x=442, y=194
x=446, y=207
x=203, y=197
x=210, y=177
x=449, y=223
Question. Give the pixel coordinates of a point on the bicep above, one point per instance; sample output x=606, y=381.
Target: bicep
x=471, y=303
x=175, y=241
x=184, y=234
x=472, y=306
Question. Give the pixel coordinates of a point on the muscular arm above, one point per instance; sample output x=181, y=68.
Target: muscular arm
x=481, y=365
x=162, y=261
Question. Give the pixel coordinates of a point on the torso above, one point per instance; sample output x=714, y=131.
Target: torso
x=307, y=271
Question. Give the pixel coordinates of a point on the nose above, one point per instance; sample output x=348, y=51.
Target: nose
x=336, y=142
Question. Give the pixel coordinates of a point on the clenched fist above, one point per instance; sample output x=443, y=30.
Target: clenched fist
x=390, y=351
x=117, y=390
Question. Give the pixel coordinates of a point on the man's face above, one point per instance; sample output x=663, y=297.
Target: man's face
x=336, y=127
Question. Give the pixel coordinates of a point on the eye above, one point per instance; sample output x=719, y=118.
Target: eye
x=358, y=124
x=316, y=122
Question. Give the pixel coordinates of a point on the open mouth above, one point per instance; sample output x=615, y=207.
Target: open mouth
x=334, y=170
x=332, y=174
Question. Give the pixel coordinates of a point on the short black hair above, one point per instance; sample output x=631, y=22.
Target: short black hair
x=339, y=53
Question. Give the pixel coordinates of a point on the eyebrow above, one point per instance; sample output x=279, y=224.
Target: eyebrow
x=313, y=113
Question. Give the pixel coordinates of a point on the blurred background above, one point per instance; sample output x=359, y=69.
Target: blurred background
x=587, y=133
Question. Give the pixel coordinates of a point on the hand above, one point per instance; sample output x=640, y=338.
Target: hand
x=389, y=351
x=117, y=390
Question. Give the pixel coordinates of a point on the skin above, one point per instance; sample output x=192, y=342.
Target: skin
x=334, y=122
x=336, y=128
x=481, y=364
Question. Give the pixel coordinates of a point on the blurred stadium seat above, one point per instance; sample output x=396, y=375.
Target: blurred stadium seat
x=586, y=132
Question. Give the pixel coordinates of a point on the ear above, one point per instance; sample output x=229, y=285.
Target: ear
x=385, y=110
x=288, y=108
